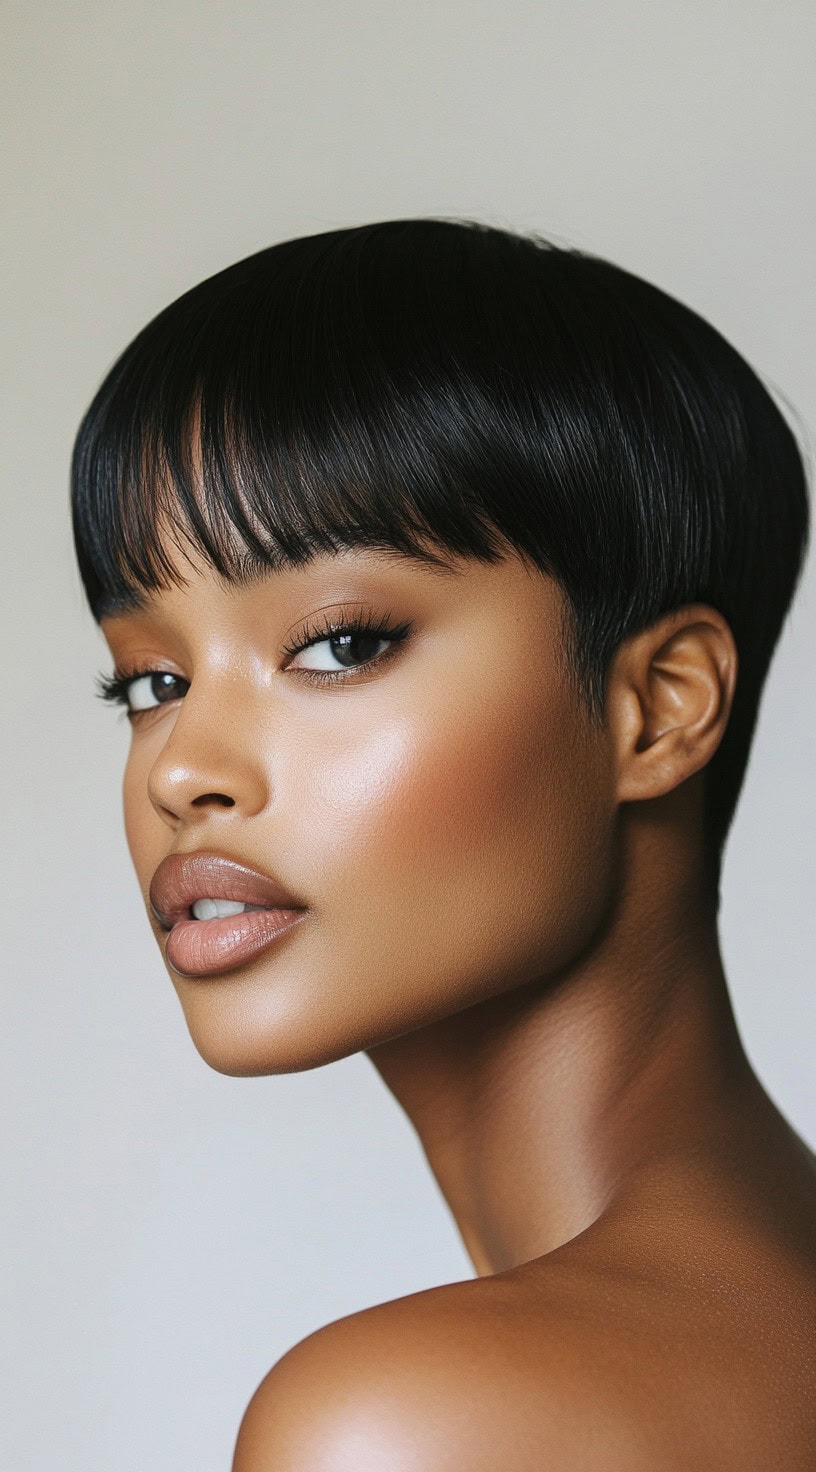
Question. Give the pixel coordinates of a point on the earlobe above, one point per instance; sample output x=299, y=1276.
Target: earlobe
x=669, y=696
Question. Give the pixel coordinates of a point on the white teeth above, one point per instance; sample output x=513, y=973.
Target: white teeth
x=207, y=909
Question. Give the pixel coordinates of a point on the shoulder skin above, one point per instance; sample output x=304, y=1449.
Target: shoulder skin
x=439, y=1381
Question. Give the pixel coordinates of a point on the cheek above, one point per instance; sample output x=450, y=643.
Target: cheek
x=467, y=853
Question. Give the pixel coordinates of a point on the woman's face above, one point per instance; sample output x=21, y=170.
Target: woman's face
x=444, y=808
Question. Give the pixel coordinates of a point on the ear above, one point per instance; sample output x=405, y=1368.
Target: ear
x=669, y=694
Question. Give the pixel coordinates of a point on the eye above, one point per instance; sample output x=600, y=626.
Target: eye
x=141, y=690
x=154, y=688
x=350, y=643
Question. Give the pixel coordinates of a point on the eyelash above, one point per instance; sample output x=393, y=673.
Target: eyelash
x=115, y=687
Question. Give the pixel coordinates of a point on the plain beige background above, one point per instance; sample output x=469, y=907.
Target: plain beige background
x=171, y=1232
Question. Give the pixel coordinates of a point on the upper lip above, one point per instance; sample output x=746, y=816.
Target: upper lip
x=183, y=878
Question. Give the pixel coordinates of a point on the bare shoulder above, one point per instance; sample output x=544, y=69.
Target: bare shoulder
x=590, y=1362
x=448, y=1378
x=673, y=1339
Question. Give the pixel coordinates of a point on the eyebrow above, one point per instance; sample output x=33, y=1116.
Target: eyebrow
x=251, y=571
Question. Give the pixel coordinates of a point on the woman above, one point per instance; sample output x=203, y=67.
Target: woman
x=441, y=569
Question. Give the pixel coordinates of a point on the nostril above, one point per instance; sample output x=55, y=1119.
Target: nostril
x=221, y=797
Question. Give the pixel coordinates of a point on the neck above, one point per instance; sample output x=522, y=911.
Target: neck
x=537, y=1109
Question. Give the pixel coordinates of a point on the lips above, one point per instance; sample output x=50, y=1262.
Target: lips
x=208, y=948
x=181, y=879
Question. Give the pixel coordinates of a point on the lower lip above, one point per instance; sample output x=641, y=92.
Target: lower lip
x=207, y=947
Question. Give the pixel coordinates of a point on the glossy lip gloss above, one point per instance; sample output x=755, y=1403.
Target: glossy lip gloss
x=210, y=947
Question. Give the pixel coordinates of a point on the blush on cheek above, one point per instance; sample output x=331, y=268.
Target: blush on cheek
x=415, y=806
x=503, y=832
x=505, y=773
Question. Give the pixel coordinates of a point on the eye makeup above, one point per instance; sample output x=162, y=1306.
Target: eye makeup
x=366, y=628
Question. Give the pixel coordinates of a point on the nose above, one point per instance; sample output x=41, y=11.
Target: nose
x=211, y=760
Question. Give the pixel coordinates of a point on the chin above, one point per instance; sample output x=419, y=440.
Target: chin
x=228, y=1034
x=246, y=1028
x=237, y=1056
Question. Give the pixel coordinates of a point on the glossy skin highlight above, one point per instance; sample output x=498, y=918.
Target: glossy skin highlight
x=507, y=913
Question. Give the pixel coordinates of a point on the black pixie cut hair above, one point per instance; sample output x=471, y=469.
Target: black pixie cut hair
x=431, y=383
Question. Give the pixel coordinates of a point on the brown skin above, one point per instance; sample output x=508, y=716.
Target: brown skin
x=507, y=915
